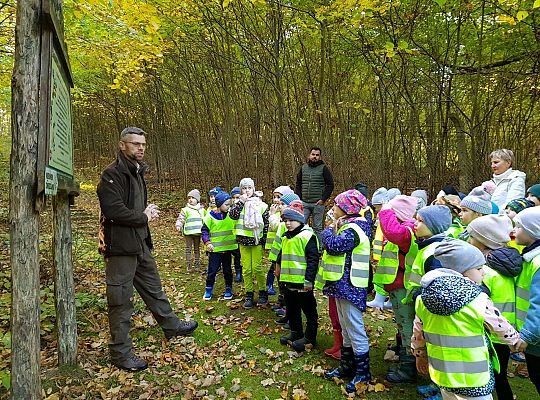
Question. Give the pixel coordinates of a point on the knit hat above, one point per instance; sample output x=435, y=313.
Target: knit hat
x=458, y=255
x=283, y=190
x=534, y=190
x=403, y=206
x=294, y=212
x=362, y=188
x=221, y=198
x=289, y=198
x=393, y=192
x=518, y=205
x=195, y=194
x=351, y=201
x=493, y=231
x=449, y=189
x=421, y=198
x=437, y=218
x=235, y=190
x=529, y=220
x=245, y=182
x=214, y=191
x=379, y=197
x=478, y=200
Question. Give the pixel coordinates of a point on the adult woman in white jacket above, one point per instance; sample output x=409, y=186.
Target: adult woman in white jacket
x=509, y=183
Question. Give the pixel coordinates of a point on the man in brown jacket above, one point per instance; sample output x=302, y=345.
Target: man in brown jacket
x=125, y=242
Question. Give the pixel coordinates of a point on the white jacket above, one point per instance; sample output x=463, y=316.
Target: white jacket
x=510, y=185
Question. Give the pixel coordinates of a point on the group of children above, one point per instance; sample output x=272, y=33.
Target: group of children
x=459, y=274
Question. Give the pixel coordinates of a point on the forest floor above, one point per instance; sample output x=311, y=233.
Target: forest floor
x=234, y=354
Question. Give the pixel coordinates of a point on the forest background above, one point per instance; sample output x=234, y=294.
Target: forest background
x=396, y=93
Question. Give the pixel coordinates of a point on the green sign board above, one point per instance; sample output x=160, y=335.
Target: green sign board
x=60, y=127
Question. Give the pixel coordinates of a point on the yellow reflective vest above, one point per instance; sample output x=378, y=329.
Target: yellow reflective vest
x=293, y=256
x=276, y=244
x=378, y=243
x=270, y=237
x=221, y=233
x=194, y=221
x=332, y=267
x=388, y=266
x=523, y=287
x=457, y=347
x=502, y=293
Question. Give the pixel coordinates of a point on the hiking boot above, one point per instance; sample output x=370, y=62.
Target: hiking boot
x=249, y=300
x=362, y=374
x=208, y=293
x=428, y=390
x=131, y=364
x=291, y=337
x=263, y=298
x=228, y=295
x=346, y=367
x=281, y=312
x=302, y=344
x=282, y=321
x=185, y=328
x=286, y=326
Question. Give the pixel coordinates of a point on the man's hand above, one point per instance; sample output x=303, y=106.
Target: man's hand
x=152, y=212
x=209, y=247
x=422, y=365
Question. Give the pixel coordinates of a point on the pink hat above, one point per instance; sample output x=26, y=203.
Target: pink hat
x=404, y=207
x=351, y=201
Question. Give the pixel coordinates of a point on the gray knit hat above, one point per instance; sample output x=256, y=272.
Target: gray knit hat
x=529, y=221
x=195, y=194
x=478, y=200
x=458, y=255
x=392, y=192
x=379, y=197
x=493, y=231
x=421, y=198
x=437, y=218
x=245, y=182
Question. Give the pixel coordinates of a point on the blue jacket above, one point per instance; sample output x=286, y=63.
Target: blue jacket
x=531, y=329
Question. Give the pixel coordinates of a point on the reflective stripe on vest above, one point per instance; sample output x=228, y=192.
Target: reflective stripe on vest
x=457, y=349
x=221, y=233
x=332, y=267
x=454, y=231
x=502, y=293
x=378, y=243
x=523, y=285
x=276, y=244
x=194, y=221
x=387, y=270
x=240, y=229
x=293, y=256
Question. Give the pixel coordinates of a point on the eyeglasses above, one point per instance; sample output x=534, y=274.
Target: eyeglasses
x=136, y=144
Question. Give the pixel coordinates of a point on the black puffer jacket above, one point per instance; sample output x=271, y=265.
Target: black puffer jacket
x=507, y=261
x=119, y=220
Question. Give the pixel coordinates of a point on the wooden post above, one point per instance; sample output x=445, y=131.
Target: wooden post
x=24, y=219
x=64, y=287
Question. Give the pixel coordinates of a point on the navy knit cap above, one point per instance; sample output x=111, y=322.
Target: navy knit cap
x=222, y=197
x=362, y=188
x=289, y=197
x=214, y=191
x=437, y=218
x=235, y=190
x=518, y=205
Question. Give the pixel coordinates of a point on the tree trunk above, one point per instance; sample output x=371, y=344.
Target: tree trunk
x=64, y=287
x=24, y=219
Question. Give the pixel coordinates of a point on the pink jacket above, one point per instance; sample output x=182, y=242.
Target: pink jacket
x=396, y=232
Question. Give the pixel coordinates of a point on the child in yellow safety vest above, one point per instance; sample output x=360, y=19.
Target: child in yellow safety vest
x=513, y=208
x=189, y=224
x=297, y=264
x=250, y=214
x=274, y=218
x=527, y=233
x=453, y=318
x=345, y=273
x=491, y=234
x=235, y=195
x=218, y=236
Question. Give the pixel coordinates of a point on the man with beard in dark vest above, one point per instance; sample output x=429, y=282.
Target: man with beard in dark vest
x=314, y=185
